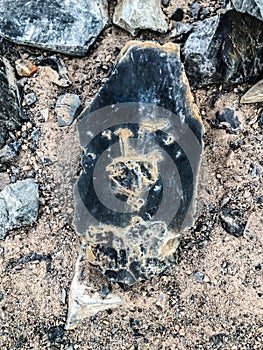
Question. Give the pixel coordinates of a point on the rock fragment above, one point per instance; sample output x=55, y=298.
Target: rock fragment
x=142, y=143
x=18, y=205
x=231, y=223
x=55, y=70
x=136, y=15
x=9, y=113
x=254, y=8
x=25, y=68
x=67, y=109
x=226, y=48
x=84, y=303
x=70, y=27
x=253, y=95
x=226, y=119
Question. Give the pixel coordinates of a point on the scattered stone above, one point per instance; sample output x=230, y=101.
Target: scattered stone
x=70, y=27
x=224, y=49
x=130, y=206
x=198, y=277
x=25, y=68
x=82, y=303
x=9, y=113
x=195, y=10
x=136, y=15
x=178, y=14
x=7, y=154
x=67, y=109
x=254, y=8
x=181, y=30
x=260, y=121
x=55, y=70
x=18, y=205
x=104, y=291
x=253, y=95
x=226, y=119
x=55, y=334
x=230, y=222
x=30, y=98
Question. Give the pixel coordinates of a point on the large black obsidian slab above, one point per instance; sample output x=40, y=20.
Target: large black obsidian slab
x=66, y=26
x=9, y=111
x=227, y=48
x=142, y=143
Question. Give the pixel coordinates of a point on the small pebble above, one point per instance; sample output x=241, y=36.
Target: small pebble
x=25, y=68
x=178, y=15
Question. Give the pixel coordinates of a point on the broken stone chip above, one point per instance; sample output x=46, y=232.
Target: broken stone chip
x=70, y=27
x=54, y=70
x=83, y=302
x=18, y=205
x=142, y=144
x=226, y=48
x=9, y=113
x=67, y=109
x=136, y=15
x=253, y=95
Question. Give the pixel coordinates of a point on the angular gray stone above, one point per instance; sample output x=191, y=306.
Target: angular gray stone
x=226, y=48
x=136, y=15
x=142, y=143
x=255, y=94
x=67, y=109
x=66, y=26
x=18, y=205
x=9, y=111
x=252, y=7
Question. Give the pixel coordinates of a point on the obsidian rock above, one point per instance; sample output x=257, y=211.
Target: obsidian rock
x=231, y=222
x=178, y=14
x=226, y=48
x=69, y=27
x=142, y=143
x=9, y=113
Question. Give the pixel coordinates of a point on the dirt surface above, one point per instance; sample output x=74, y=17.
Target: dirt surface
x=212, y=298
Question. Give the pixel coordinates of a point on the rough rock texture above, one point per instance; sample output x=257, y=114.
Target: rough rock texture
x=135, y=15
x=255, y=94
x=142, y=141
x=67, y=109
x=226, y=48
x=84, y=303
x=9, y=112
x=18, y=205
x=253, y=7
x=64, y=26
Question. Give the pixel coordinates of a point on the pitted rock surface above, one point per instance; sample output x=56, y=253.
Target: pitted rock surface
x=142, y=142
x=64, y=26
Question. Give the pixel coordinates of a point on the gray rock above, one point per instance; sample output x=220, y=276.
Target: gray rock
x=253, y=7
x=226, y=48
x=66, y=26
x=67, y=109
x=18, y=205
x=136, y=15
x=255, y=94
x=9, y=112
x=142, y=143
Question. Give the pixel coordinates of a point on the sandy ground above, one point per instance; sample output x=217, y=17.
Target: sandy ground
x=212, y=298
